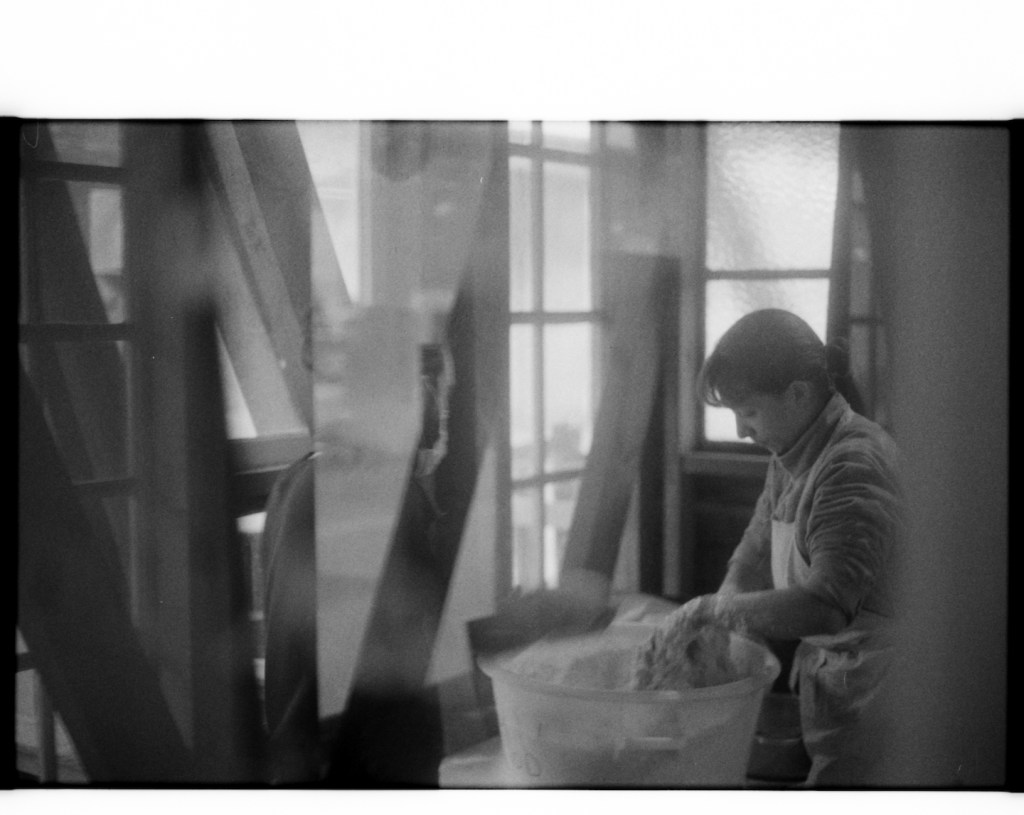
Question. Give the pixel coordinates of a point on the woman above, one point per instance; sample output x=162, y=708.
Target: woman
x=816, y=562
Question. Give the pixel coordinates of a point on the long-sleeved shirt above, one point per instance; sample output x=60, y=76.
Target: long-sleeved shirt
x=839, y=484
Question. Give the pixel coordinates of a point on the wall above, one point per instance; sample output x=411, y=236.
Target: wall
x=941, y=196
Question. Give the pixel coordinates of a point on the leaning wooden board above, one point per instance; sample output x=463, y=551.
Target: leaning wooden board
x=639, y=289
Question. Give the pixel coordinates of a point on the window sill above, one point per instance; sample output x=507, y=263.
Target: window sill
x=740, y=465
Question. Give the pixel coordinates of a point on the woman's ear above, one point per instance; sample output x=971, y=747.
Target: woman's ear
x=801, y=392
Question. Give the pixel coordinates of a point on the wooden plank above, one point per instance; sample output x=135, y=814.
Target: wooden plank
x=249, y=346
x=282, y=320
x=73, y=614
x=291, y=207
x=636, y=297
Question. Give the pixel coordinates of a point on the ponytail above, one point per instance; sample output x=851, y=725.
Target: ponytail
x=837, y=362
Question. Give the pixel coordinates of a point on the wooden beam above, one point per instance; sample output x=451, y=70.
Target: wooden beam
x=240, y=203
x=249, y=346
x=291, y=206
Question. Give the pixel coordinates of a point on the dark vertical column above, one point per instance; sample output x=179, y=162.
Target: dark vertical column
x=226, y=721
x=659, y=477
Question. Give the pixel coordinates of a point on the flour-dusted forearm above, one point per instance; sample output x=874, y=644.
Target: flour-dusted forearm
x=780, y=614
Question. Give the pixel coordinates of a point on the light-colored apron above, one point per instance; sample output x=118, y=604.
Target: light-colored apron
x=837, y=677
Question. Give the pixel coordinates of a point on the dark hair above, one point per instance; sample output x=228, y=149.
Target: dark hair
x=763, y=352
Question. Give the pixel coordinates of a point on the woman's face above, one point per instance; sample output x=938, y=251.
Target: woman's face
x=773, y=421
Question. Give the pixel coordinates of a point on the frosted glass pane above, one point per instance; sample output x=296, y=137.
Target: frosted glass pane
x=567, y=135
x=520, y=132
x=559, y=505
x=522, y=398
x=568, y=395
x=526, y=538
x=728, y=300
x=566, y=238
x=520, y=185
x=771, y=196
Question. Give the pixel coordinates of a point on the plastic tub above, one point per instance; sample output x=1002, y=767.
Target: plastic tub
x=558, y=736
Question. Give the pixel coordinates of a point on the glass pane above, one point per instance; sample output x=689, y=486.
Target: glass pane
x=568, y=395
x=79, y=252
x=332, y=150
x=526, y=538
x=771, y=192
x=238, y=418
x=728, y=300
x=83, y=388
x=520, y=181
x=559, y=505
x=522, y=400
x=620, y=136
x=69, y=769
x=520, y=132
x=74, y=142
x=567, y=135
x=567, y=285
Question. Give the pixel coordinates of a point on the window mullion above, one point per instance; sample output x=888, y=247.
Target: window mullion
x=537, y=209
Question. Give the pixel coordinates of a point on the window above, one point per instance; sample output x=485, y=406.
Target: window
x=79, y=335
x=554, y=336
x=74, y=330
x=75, y=344
x=770, y=200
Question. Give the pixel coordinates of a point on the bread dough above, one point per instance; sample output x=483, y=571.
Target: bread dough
x=678, y=659
x=683, y=657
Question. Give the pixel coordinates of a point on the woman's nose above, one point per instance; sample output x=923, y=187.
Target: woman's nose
x=742, y=428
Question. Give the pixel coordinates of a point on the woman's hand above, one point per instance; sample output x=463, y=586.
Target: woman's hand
x=706, y=609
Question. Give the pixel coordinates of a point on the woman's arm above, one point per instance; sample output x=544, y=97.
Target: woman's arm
x=783, y=614
x=741, y=578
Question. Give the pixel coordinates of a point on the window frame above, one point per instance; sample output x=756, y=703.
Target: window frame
x=35, y=330
x=538, y=319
